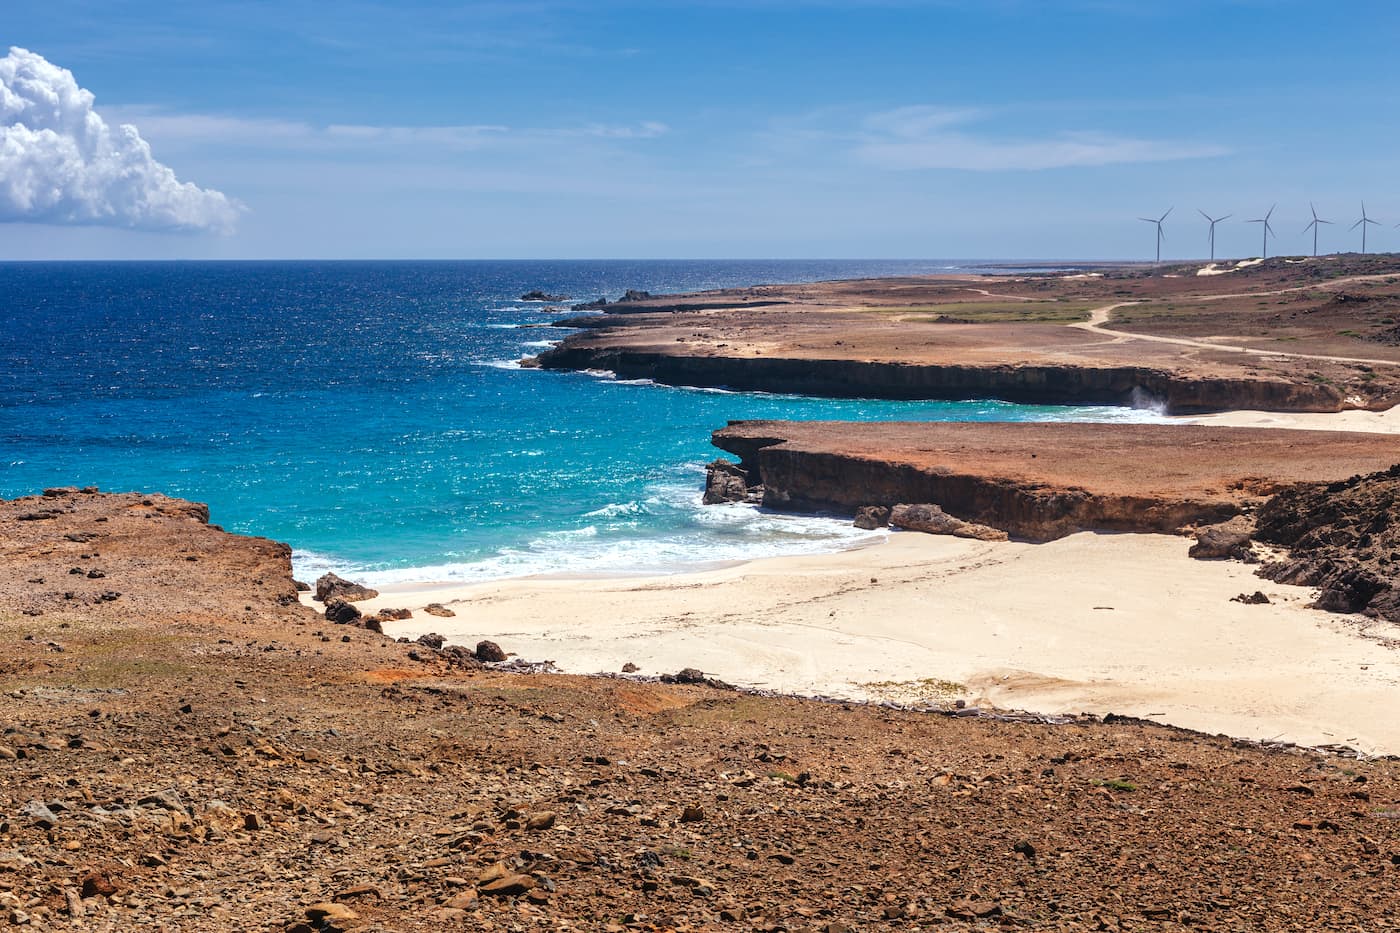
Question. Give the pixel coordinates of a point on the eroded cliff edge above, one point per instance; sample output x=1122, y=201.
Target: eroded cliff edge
x=1043, y=481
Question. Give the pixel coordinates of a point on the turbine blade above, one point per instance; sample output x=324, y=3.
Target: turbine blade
x=1271, y=212
x=1147, y=220
x=1226, y=217
x=1204, y=214
x=1355, y=225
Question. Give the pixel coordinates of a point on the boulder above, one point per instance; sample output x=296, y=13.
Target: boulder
x=340, y=612
x=725, y=481
x=330, y=586
x=439, y=610
x=431, y=640
x=489, y=651
x=537, y=295
x=871, y=517
x=1230, y=539
x=395, y=614
x=931, y=519
x=635, y=294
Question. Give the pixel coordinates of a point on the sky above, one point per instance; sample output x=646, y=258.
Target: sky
x=994, y=129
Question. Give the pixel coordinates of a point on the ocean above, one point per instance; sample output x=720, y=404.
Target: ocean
x=373, y=415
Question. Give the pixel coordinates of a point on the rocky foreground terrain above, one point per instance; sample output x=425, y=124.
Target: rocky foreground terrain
x=183, y=747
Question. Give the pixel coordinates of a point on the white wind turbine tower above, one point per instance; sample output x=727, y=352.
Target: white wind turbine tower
x=1268, y=229
x=1362, y=224
x=1213, y=222
x=1158, y=222
x=1317, y=222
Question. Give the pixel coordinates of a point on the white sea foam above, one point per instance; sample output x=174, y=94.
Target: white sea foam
x=692, y=537
x=500, y=364
x=541, y=344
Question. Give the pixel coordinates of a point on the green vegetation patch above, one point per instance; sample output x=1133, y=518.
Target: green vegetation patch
x=994, y=312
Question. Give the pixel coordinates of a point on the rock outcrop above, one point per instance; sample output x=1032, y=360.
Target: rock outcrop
x=1042, y=481
x=931, y=519
x=871, y=517
x=537, y=295
x=1040, y=384
x=1231, y=539
x=330, y=586
x=1343, y=538
x=725, y=481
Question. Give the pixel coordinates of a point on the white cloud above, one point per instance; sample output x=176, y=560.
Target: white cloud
x=61, y=163
x=934, y=138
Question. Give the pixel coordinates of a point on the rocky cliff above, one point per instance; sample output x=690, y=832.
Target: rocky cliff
x=1043, y=481
x=1042, y=384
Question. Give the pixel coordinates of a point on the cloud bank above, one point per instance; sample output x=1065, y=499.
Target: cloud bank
x=61, y=163
x=935, y=138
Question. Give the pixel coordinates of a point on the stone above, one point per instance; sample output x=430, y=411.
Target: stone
x=340, y=612
x=634, y=294
x=536, y=295
x=540, y=821
x=97, y=884
x=463, y=901
x=510, y=885
x=931, y=519
x=489, y=651
x=330, y=911
x=690, y=675
x=330, y=585
x=394, y=615
x=40, y=814
x=439, y=610
x=630, y=668
x=693, y=815
x=871, y=517
x=431, y=640
x=725, y=481
x=1230, y=539
x=1257, y=598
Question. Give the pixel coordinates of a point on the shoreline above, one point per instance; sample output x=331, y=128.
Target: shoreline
x=1096, y=623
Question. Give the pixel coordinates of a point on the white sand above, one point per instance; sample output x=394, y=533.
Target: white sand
x=1373, y=422
x=1093, y=623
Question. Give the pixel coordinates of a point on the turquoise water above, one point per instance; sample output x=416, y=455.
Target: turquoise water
x=373, y=416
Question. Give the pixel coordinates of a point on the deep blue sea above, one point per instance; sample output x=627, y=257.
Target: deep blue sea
x=373, y=415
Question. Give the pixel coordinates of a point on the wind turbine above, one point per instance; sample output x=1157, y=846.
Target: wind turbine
x=1317, y=222
x=1158, y=222
x=1362, y=224
x=1268, y=229
x=1213, y=222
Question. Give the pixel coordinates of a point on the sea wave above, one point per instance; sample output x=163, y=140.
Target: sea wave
x=681, y=535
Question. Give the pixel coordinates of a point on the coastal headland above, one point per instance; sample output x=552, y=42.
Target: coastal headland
x=1284, y=335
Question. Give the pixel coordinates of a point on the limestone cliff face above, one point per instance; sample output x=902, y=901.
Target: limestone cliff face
x=1028, y=384
x=1040, y=481
x=802, y=480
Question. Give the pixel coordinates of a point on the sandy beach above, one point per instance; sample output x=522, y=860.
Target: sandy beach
x=1370, y=422
x=1091, y=623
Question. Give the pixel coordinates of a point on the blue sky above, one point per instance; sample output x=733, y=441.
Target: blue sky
x=776, y=128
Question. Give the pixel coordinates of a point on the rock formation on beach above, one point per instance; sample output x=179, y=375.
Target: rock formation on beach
x=1344, y=538
x=1040, y=481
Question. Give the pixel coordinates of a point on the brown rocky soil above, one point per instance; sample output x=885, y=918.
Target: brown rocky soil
x=1043, y=481
x=199, y=754
x=1005, y=337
